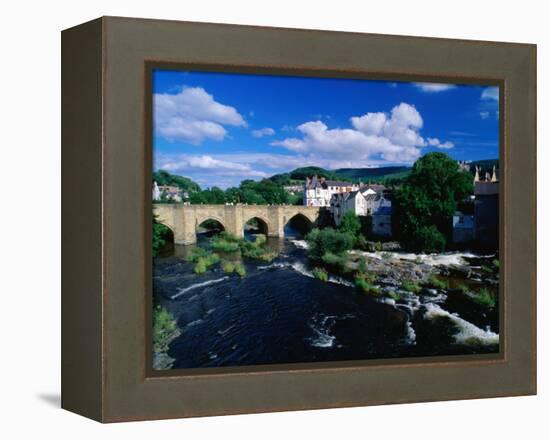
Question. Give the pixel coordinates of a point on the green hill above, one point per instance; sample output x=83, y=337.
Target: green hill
x=184, y=183
x=373, y=174
x=345, y=174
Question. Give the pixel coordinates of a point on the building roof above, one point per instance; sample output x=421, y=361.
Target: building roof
x=372, y=197
x=337, y=183
x=320, y=182
x=352, y=194
x=374, y=186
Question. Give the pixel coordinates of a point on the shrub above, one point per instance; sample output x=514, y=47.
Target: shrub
x=200, y=267
x=362, y=266
x=196, y=253
x=437, y=283
x=164, y=328
x=350, y=224
x=221, y=244
x=338, y=263
x=320, y=274
x=204, y=263
x=386, y=255
x=362, y=243
x=429, y=239
x=496, y=263
x=410, y=286
x=211, y=259
x=396, y=296
x=378, y=246
x=321, y=241
x=228, y=267
x=240, y=269
x=260, y=239
x=485, y=298
x=160, y=236
x=366, y=287
x=463, y=288
x=255, y=251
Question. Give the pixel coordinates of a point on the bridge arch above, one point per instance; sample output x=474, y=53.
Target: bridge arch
x=299, y=223
x=168, y=233
x=200, y=221
x=263, y=223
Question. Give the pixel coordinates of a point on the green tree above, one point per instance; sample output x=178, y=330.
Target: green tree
x=351, y=224
x=321, y=241
x=425, y=203
x=163, y=177
x=160, y=236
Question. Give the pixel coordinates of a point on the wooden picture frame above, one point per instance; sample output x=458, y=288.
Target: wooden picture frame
x=106, y=188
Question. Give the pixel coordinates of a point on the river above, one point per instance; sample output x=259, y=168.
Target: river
x=279, y=313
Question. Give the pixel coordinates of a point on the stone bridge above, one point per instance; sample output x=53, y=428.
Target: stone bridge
x=184, y=219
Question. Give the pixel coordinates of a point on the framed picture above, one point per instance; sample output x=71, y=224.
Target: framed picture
x=262, y=219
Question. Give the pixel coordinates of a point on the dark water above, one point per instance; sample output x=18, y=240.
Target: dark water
x=278, y=313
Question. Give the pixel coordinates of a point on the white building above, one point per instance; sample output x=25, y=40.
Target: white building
x=365, y=202
x=168, y=192
x=341, y=203
x=156, y=191
x=319, y=191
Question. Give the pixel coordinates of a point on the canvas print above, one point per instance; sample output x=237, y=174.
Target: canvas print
x=304, y=219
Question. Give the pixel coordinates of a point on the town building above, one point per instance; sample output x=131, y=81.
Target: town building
x=463, y=227
x=341, y=203
x=156, y=191
x=382, y=219
x=168, y=192
x=367, y=201
x=318, y=191
x=486, y=209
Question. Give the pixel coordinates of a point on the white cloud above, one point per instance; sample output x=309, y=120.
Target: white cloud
x=484, y=115
x=266, y=131
x=285, y=162
x=490, y=93
x=192, y=115
x=189, y=165
x=435, y=142
x=433, y=87
x=374, y=137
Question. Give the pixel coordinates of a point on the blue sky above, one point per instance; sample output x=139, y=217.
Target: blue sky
x=220, y=128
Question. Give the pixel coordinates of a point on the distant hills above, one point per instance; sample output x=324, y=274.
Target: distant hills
x=374, y=175
x=485, y=165
x=386, y=175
